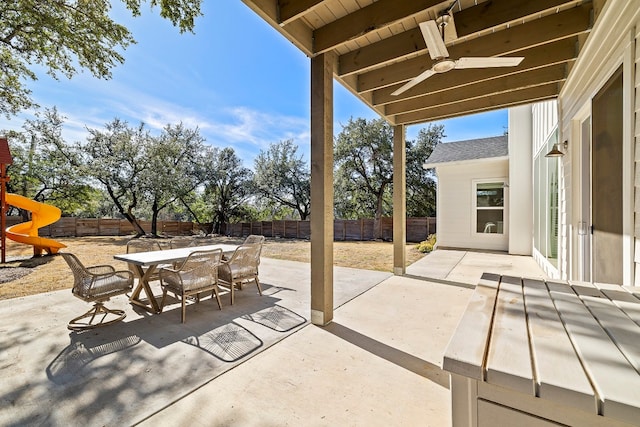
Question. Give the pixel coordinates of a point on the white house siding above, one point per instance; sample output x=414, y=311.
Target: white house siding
x=456, y=228
x=612, y=43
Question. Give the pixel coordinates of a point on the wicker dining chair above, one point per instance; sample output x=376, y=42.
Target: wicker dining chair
x=241, y=268
x=198, y=273
x=253, y=238
x=182, y=242
x=97, y=284
x=143, y=245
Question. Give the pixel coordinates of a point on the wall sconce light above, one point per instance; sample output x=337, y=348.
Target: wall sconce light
x=555, y=150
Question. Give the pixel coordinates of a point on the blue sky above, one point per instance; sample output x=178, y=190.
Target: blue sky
x=236, y=78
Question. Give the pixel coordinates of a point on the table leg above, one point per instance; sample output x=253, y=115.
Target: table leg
x=143, y=283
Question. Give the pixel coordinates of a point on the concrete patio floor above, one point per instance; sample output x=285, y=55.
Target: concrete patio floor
x=256, y=363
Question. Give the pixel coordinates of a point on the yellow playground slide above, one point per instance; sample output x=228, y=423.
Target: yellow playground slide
x=27, y=232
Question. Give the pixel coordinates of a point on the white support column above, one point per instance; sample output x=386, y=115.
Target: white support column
x=322, y=67
x=520, y=181
x=399, y=200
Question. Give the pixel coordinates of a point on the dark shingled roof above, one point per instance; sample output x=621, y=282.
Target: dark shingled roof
x=472, y=149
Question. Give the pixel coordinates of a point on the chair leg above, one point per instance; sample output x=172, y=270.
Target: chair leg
x=258, y=285
x=97, y=310
x=184, y=308
x=217, y=295
x=164, y=297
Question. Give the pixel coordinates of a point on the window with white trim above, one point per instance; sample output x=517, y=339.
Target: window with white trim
x=489, y=206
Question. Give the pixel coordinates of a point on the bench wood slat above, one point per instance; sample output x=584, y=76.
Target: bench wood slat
x=509, y=361
x=466, y=350
x=558, y=372
x=616, y=382
x=623, y=331
x=625, y=300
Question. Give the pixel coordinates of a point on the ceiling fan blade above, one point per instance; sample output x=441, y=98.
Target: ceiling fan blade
x=433, y=40
x=463, y=63
x=411, y=83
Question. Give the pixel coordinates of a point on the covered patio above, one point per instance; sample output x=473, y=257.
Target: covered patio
x=259, y=362
x=374, y=48
x=415, y=62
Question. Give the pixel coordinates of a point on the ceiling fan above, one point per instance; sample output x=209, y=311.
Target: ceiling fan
x=434, y=34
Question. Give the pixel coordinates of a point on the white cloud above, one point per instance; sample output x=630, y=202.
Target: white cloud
x=246, y=130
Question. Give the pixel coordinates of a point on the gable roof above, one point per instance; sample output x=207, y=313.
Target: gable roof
x=472, y=149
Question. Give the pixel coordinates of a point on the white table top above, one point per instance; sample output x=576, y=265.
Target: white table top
x=169, y=256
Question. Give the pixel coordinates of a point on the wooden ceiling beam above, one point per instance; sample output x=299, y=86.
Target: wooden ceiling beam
x=297, y=32
x=531, y=78
x=558, y=52
x=492, y=13
x=384, y=51
x=510, y=41
x=373, y=17
x=290, y=10
x=478, y=105
x=411, y=42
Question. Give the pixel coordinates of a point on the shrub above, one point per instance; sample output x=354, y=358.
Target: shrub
x=426, y=246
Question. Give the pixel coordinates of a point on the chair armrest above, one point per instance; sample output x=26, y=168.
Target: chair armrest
x=100, y=269
x=125, y=273
x=119, y=273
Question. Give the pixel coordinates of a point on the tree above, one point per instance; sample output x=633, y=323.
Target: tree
x=228, y=186
x=282, y=177
x=173, y=170
x=65, y=35
x=363, y=157
x=117, y=159
x=421, y=182
x=45, y=167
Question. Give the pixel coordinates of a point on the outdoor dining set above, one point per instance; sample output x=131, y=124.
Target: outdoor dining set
x=186, y=269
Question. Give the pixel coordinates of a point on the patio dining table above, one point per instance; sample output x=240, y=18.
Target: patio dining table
x=151, y=260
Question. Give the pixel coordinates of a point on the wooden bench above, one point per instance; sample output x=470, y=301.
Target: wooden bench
x=533, y=353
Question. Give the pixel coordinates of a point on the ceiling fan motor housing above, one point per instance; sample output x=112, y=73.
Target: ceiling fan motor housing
x=444, y=65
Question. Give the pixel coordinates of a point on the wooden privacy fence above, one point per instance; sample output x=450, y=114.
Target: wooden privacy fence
x=418, y=229
x=78, y=227
x=358, y=229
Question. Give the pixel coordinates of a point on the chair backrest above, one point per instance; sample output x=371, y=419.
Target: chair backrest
x=246, y=258
x=182, y=242
x=202, y=264
x=253, y=238
x=78, y=270
x=142, y=245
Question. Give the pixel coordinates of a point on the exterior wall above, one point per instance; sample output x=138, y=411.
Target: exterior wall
x=455, y=205
x=520, y=181
x=613, y=42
